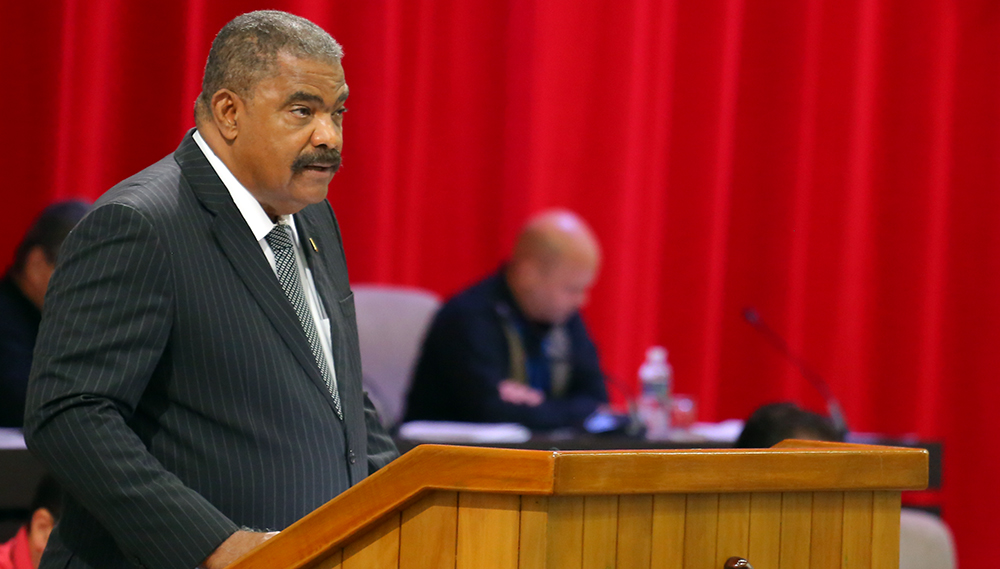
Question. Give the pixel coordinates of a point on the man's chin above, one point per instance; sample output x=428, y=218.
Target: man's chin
x=319, y=194
x=560, y=319
x=312, y=186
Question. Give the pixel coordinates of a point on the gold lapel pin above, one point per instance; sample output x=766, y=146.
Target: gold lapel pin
x=313, y=243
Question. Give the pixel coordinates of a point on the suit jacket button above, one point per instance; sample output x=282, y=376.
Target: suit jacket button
x=350, y=457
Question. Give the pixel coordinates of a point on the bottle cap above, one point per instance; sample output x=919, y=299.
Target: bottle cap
x=656, y=354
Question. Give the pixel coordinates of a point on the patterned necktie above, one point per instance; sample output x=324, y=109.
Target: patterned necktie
x=280, y=240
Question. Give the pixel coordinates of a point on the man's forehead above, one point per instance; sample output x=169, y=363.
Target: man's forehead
x=308, y=96
x=307, y=81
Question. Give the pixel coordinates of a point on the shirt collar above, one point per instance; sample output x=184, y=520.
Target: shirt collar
x=258, y=220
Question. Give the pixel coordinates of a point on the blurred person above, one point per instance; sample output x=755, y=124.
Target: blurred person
x=24, y=550
x=22, y=295
x=772, y=423
x=513, y=347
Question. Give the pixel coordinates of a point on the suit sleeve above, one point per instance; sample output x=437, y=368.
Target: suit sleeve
x=381, y=449
x=106, y=324
x=468, y=351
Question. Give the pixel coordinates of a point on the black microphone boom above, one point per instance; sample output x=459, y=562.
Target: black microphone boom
x=816, y=380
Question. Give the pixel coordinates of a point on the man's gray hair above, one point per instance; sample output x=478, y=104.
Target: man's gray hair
x=246, y=51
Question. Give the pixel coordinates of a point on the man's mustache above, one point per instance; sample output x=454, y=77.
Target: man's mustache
x=325, y=156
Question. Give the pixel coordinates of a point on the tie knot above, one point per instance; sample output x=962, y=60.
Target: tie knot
x=279, y=238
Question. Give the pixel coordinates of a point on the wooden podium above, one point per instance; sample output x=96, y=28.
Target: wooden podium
x=798, y=505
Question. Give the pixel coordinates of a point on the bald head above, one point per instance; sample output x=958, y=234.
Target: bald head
x=553, y=266
x=555, y=237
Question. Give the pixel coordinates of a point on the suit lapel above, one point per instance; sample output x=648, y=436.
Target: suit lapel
x=323, y=256
x=244, y=253
x=316, y=247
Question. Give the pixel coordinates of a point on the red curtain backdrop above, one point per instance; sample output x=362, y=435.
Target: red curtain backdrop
x=832, y=163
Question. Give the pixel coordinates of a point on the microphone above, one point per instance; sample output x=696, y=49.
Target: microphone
x=833, y=408
x=633, y=426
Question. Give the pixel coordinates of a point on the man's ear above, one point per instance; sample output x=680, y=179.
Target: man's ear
x=226, y=109
x=39, y=528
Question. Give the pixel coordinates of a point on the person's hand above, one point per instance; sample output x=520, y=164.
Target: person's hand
x=234, y=548
x=520, y=394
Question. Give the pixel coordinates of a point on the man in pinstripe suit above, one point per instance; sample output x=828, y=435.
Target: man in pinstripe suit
x=197, y=380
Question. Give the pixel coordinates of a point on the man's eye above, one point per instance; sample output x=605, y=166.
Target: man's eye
x=341, y=111
x=301, y=111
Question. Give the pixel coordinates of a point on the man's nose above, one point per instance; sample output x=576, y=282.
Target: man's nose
x=327, y=133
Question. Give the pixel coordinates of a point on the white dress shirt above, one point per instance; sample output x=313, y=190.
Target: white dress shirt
x=260, y=224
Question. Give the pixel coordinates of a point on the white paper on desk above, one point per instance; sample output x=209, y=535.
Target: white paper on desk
x=11, y=439
x=725, y=432
x=453, y=432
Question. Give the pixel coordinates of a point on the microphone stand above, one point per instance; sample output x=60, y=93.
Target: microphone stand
x=816, y=380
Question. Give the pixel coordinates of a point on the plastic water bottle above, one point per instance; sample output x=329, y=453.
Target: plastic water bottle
x=654, y=403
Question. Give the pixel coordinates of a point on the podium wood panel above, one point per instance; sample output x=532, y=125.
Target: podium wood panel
x=669, y=511
x=765, y=530
x=734, y=527
x=797, y=506
x=428, y=533
x=600, y=531
x=488, y=529
x=796, y=529
x=376, y=548
x=565, y=535
x=857, y=551
x=885, y=530
x=534, y=532
x=700, y=530
x=635, y=535
x=334, y=561
x=827, y=541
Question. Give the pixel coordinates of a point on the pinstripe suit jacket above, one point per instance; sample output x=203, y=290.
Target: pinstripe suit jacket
x=174, y=392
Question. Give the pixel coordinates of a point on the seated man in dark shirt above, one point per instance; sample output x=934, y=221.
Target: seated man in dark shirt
x=513, y=348
x=22, y=293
